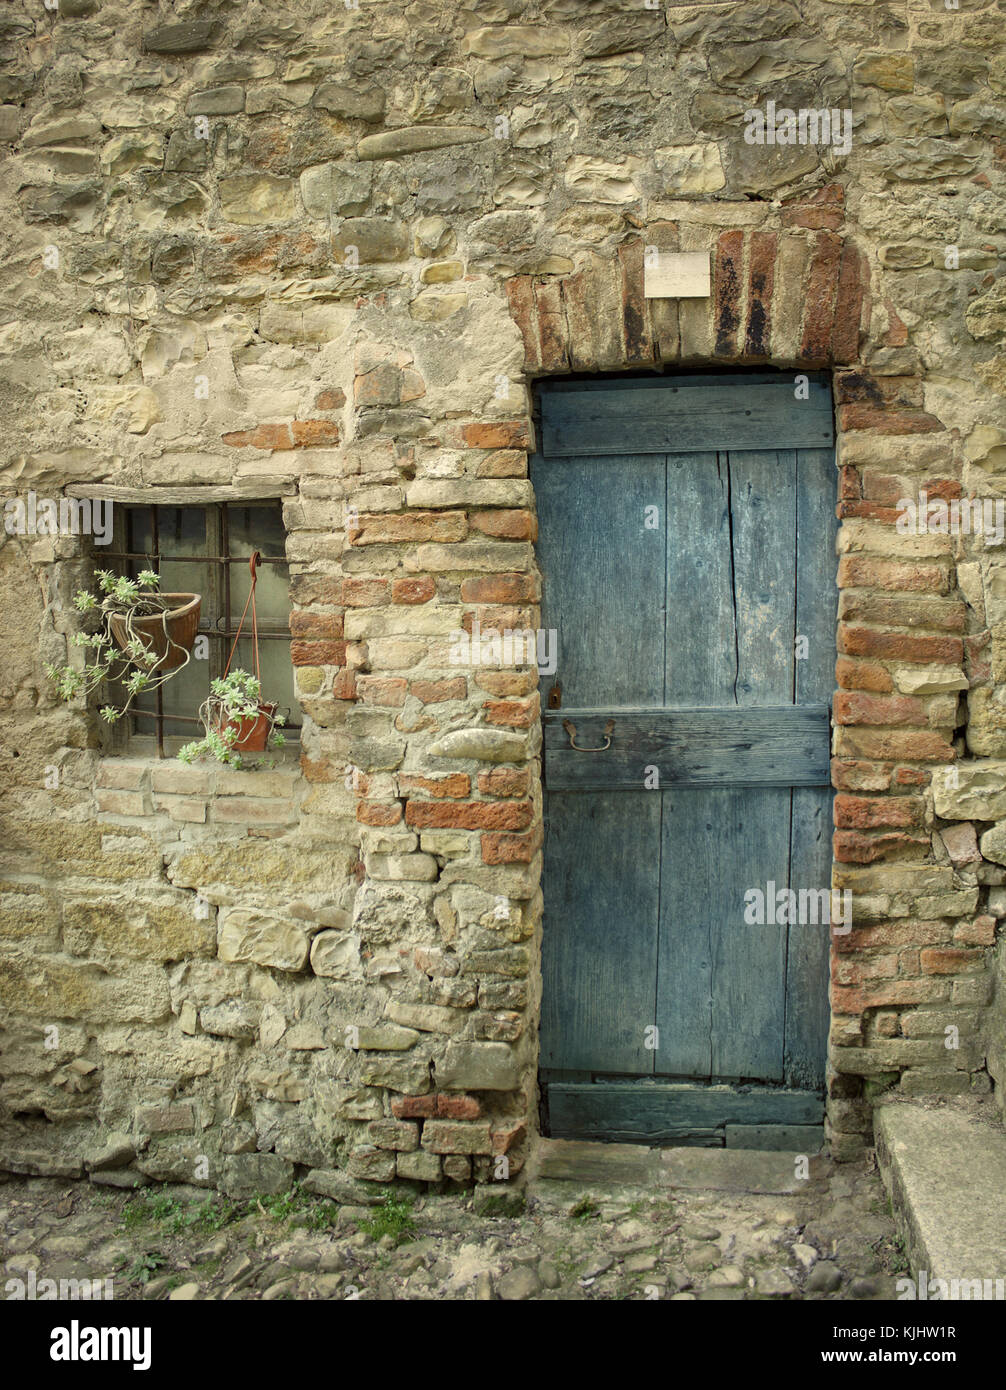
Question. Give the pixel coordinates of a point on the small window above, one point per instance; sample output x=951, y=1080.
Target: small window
x=205, y=550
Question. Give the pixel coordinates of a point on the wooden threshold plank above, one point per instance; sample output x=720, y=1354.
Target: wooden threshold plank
x=656, y=1113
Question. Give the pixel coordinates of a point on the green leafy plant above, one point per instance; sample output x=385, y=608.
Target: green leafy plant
x=127, y=599
x=235, y=700
x=393, y=1217
x=145, y=1266
x=297, y=1207
x=213, y=1213
x=280, y=1205
x=585, y=1208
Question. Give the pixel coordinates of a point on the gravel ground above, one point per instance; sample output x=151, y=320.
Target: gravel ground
x=835, y=1240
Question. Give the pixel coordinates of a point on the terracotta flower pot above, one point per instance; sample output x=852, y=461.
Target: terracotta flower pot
x=252, y=734
x=182, y=623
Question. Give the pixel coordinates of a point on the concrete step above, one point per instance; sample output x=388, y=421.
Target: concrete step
x=738, y=1170
x=635, y=1165
x=608, y=1165
x=945, y=1171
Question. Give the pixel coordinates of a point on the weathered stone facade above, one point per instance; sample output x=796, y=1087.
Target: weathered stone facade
x=367, y=231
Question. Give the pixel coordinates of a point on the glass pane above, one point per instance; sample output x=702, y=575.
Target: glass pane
x=260, y=528
x=277, y=674
x=180, y=531
x=138, y=533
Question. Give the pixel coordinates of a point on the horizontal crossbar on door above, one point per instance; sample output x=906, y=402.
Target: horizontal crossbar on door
x=767, y=746
x=634, y=1112
x=667, y=415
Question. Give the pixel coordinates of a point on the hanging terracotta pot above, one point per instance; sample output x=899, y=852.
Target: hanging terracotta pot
x=253, y=734
x=170, y=636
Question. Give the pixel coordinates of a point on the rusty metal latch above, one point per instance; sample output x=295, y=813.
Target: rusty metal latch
x=555, y=696
x=609, y=729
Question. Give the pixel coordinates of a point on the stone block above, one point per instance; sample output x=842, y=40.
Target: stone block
x=257, y=200
x=336, y=955
x=164, y=1119
x=961, y=844
x=138, y=928
x=248, y=935
x=419, y=1166
x=945, y=1171
x=371, y=1164
x=386, y=1038
x=394, y=1134
x=994, y=843
x=377, y=240
x=409, y=1075
x=476, y=1066
x=216, y=101
x=231, y=1019
x=188, y=37
x=58, y=987
x=427, y=1018
x=248, y=1175
x=457, y=1137
x=484, y=745
x=117, y=1151
x=391, y=144
x=402, y=868
x=356, y=101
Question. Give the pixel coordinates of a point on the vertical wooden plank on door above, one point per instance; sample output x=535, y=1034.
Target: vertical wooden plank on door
x=749, y=960
x=603, y=591
x=700, y=670
x=600, y=941
x=603, y=577
x=700, y=661
x=807, y=1007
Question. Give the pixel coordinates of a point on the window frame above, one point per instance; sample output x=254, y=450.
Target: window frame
x=130, y=737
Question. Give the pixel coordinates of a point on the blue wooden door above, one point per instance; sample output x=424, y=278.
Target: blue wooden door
x=686, y=540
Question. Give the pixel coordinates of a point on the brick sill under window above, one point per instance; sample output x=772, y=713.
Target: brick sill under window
x=203, y=794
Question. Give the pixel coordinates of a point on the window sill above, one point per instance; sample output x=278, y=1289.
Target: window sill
x=203, y=794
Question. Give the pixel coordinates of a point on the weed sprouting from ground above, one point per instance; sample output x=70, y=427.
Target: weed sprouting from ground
x=173, y=1217
x=145, y=1266
x=393, y=1217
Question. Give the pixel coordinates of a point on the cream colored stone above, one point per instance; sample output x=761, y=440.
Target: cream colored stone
x=442, y=272
x=336, y=955
x=600, y=180
x=436, y=308
x=516, y=41
x=248, y=935
x=690, y=169
x=929, y=680
x=257, y=199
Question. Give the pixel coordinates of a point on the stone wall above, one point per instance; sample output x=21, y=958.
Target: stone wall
x=320, y=253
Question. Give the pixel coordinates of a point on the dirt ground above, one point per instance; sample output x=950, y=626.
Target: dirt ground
x=834, y=1240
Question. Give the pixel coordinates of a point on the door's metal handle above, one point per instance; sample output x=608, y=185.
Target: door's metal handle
x=609, y=729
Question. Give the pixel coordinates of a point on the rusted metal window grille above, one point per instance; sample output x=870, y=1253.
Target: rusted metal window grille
x=205, y=549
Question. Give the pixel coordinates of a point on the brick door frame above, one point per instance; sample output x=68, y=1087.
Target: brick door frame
x=794, y=296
